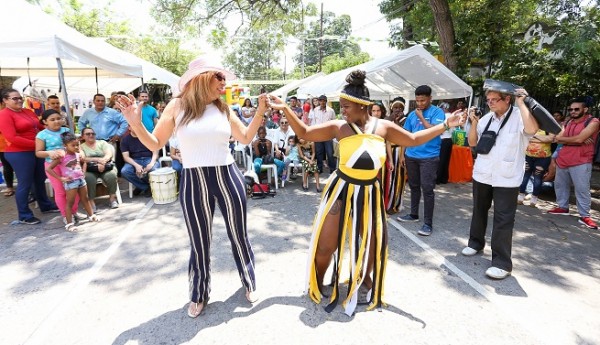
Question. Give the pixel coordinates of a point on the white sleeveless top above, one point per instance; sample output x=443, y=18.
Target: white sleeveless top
x=205, y=142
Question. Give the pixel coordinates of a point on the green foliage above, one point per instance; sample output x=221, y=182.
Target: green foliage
x=339, y=29
x=254, y=55
x=337, y=62
x=491, y=33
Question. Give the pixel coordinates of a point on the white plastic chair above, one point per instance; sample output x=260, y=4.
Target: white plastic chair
x=270, y=168
x=289, y=171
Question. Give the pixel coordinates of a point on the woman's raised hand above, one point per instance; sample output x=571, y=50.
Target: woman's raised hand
x=262, y=101
x=276, y=102
x=130, y=109
x=457, y=118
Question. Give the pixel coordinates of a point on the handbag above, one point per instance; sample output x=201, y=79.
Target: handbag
x=93, y=166
x=488, y=138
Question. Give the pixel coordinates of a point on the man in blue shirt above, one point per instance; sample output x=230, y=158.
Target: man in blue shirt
x=149, y=113
x=422, y=161
x=109, y=124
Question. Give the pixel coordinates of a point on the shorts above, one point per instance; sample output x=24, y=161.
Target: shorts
x=75, y=184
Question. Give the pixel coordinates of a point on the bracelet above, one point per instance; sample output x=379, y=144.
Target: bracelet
x=446, y=127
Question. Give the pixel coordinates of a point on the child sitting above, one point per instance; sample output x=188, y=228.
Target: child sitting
x=307, y=155
x=73, y=178
x=291, y=155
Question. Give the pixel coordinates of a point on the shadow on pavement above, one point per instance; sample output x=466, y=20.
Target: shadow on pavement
x=217, y=313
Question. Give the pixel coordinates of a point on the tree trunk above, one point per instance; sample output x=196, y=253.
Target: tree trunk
x=445, y=30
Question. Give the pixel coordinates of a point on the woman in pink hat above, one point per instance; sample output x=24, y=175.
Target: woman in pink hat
x=203, y=123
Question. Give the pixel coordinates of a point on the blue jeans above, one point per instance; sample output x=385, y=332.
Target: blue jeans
x=30, y=173
x=537, y=167
x=258, y=163
x=177, y=166
x=325, y=148
x=128, y=172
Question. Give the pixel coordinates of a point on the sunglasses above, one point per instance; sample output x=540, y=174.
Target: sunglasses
x=573, y=109
x=16, y=99
x=283, y=123
x=220, y=76
x=90, y=134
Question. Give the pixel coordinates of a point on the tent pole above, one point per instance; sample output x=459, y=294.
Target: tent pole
x=61, y=78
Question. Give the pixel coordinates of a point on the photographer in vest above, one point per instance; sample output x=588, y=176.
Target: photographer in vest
x=500, y=137
x=574, y=162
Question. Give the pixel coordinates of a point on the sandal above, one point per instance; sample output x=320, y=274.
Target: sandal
x=71, y=227
x=195, y=309
x=8, y=192
x=251, y=296
x=364, y=295
x=94, y=218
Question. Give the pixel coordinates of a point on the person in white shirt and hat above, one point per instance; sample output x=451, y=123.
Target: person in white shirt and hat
x=203, y=123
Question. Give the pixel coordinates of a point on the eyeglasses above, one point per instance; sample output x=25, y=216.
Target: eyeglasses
x=16, y=99
x=573, y=109
x=220, y=76
x=90, y=134
x=493, y=100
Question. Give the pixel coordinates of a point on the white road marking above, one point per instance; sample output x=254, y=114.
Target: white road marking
x=40, y=334
x=441, y=260
x=502, y=303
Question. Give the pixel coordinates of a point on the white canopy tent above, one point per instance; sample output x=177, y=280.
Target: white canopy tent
x=284, y=90
x=397, y=74
x=90, y=85
x=48, y=48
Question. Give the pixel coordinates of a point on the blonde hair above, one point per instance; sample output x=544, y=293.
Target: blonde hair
x=193, y=101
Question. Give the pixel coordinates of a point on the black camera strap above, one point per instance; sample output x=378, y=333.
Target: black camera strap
x=503, y=122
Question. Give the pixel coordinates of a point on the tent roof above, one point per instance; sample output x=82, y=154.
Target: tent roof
x=46, y=38
x=33, y=49
x=397, y=74
x=284, y=90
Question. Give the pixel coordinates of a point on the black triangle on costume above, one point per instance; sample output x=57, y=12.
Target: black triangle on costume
x=364, y=162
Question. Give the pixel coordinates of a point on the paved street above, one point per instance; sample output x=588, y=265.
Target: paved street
x=124, y=280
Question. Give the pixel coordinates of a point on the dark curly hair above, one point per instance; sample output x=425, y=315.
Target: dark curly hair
x=356, y=85
x=67, y=137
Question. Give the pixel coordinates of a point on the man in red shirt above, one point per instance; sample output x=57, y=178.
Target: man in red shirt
x=574, y=162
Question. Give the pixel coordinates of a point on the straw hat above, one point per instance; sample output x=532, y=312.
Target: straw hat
x=201, y=64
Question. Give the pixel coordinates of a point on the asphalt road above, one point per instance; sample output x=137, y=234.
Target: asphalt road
x=124, y=281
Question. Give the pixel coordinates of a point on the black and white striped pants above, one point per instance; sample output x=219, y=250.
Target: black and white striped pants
x=200, y=189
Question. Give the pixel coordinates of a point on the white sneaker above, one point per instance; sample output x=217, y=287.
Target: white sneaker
x=496, y=273
x=468, y=251
x=533, y=201
x=520, y=198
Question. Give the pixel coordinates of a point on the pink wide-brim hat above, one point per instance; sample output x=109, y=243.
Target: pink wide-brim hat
x=203, y=64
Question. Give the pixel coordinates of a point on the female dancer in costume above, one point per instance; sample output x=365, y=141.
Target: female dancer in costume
x=352, y=202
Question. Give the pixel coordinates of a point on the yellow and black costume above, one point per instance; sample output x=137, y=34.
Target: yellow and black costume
x=362, y=216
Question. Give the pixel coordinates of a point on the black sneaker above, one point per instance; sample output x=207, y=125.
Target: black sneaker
x=408, y=218
x=52, y=210
x=137, y=191
x=30, y=221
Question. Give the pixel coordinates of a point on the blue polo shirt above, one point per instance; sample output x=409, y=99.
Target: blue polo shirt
x=430, y=149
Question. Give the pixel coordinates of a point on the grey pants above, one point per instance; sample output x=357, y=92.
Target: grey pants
x=580, y=176
x=422, y=174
